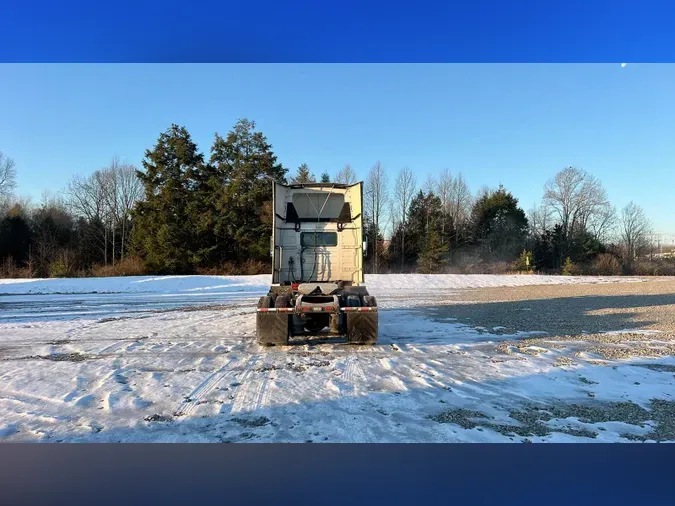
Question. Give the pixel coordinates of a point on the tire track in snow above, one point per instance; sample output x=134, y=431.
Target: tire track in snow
x=187, y=408
x=353, y=373
x=249, y=390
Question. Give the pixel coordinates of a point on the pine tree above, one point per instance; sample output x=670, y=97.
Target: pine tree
x=424, y=216
x=242, y=166
x=15, y=236
x=164, y=226
x=422, y=234
x=325, y=177
x=303, y=175
x=432, y=255
x=499, y=225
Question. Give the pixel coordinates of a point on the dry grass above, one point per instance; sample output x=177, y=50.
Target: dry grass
x=9, y=270
x=664, y=267
x=606, y=264
x=247, y=268
x=130, y=266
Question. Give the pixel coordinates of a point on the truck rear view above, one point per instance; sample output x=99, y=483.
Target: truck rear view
x=317, y=254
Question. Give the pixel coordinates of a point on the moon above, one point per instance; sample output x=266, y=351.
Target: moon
x=623, y=65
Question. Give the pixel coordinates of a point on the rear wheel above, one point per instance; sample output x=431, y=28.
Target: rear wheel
x=265, y=302
x=353, y=301
x=316, y=323
x=282, y=301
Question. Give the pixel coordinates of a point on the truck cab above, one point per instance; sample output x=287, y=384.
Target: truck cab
x=317, y=252
x=318, y=233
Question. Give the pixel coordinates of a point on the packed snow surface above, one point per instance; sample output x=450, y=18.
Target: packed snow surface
x=174, y=358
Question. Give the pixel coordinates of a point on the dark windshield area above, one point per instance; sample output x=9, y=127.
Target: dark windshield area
x=318, y=238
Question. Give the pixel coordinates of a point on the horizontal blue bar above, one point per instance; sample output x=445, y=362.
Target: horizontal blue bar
x=346, y=31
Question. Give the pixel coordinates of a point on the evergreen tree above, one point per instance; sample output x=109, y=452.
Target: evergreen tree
x=164, y=231
x=424, y=216
x=422, y=233
x=499, y=225
x=303, y=175
x=375, y=240
x=325, y=177
x=394, y=251
x=15, y=236
x=415, y=229
x=242, y=166
x=449, y=234
x=547, y=250
x=431, y=257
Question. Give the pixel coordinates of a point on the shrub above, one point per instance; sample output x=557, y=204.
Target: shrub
x=525, y=262
x=63, y=266
x=607, y=264
x=130, y=266
x=654, y=268
x=247, y=268
x=8, y=268
x=497, y=268
x=568, y=268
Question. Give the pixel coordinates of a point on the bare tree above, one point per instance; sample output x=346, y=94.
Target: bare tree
x=430, y=185
x=13, y=202
x=377, y=197
x=109, y=184
x=444, y=188
x=539, y=218
x=346, y=175
x=577, y=198
x=7, y=176
x=602, y=224
x=393, y=216
x=130, y=191
x=404, y=191
x=87, y=199
x=105, y=200
x=49, y=221
x=635, y=231
x=459, y=201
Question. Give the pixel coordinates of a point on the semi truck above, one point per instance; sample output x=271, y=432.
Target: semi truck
x=317, y=249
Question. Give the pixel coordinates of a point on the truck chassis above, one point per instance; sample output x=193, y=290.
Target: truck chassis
x=285, y=313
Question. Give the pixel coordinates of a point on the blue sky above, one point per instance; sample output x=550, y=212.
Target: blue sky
x=496, y=123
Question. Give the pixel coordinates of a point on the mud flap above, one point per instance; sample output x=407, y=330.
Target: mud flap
x=272, y=328
x=361, y=327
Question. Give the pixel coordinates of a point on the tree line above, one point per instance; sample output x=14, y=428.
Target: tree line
x=185, y=211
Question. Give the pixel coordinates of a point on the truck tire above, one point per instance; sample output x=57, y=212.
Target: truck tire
x=316, y=323
x=353, y=301
x=265, y=302
x=282, y=301
x=369, y=301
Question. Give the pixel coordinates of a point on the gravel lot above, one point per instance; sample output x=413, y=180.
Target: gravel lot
x=615, y=320
x=587, y=324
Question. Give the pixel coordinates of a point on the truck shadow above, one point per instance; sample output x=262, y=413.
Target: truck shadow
x=552, y=318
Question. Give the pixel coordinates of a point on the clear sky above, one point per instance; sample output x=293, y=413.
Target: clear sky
x=496, y=123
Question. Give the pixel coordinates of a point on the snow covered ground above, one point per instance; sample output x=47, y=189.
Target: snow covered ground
x=175, y=359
